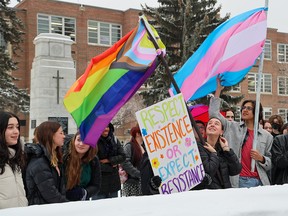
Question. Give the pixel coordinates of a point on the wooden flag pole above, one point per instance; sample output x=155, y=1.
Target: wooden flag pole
x=171, y=77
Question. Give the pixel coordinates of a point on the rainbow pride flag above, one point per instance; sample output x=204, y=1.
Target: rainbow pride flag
x=230, y=50
x=111, y=79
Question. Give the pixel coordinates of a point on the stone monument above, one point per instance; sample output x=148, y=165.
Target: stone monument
x=52, y=74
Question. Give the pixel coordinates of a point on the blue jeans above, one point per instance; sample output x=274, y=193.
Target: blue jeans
x=105, y=195
x=247, y=182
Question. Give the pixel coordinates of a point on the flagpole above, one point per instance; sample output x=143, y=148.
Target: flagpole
x=256, y=117
x=171, y=77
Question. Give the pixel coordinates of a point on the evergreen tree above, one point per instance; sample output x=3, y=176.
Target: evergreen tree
x=11, y=97
x=183, y=25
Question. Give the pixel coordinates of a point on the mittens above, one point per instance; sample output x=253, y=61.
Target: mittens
x=207, y=180
x=76, y=194
x=155, y=182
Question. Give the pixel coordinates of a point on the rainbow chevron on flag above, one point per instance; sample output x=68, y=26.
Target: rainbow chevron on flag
x=111, y=79
x=230, y=50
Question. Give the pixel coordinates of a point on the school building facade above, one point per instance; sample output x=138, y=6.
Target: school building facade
x=94, y=29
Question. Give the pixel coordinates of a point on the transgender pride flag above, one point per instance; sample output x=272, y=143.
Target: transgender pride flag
x=230, y=50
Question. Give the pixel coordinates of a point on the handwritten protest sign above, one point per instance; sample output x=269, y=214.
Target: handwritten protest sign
x=171, y=146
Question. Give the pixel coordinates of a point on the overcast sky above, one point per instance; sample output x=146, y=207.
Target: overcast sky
x=277, y=14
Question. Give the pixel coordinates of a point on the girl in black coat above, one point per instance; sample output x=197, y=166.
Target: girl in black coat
x=218, y=158
x=110, y=154
x=82, y=169
x=44, y=173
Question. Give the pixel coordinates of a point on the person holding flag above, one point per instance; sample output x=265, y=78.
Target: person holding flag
x=240, y=136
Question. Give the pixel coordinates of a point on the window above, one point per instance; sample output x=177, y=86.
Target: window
x=282, y=53
x=267, y=112
x=56, y=24
x=284, y=114
x=237, y=114
x=236, y=88
x=103, y=33
x=282, y=85
x=266, y=83
x=267, y=50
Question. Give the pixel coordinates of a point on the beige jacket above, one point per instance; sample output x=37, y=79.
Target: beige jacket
x=12, y=193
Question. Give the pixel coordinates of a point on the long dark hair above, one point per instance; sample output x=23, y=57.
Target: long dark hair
x=253, y=102
x=17, y=161
x=137, y=153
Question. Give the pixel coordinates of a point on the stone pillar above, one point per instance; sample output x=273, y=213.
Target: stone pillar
x=52, y=61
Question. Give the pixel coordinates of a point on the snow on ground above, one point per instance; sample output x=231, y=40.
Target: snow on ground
x=259, y=201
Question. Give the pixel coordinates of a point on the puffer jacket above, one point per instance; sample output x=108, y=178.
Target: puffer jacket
x=235, y=134
x=110, y=148
x=220, y=166
x=279, y=152
x=12, y=193
x=43, y=183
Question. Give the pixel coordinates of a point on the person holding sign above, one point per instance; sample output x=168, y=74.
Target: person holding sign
x=218, y=159
x=241, y=136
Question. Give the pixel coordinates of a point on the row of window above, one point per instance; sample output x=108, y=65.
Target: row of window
x=282, y=51
x=266, y=84
x=102, y=33
x=99, y=33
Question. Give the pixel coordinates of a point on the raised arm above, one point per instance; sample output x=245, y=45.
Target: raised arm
x=215, y=102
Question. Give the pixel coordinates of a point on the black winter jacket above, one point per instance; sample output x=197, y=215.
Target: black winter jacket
x=219, y=166
x=110, y=148
x=279, y=158
x=93, y=187
x=43, y=183
x=147, y=174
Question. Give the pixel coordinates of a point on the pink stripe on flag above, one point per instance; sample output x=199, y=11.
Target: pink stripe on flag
x=234, y=65
x=208, y=65
x=140, y=51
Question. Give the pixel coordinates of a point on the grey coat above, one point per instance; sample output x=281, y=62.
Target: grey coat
x=235, y=133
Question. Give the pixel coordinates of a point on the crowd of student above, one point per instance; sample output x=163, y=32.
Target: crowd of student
x=56, y=168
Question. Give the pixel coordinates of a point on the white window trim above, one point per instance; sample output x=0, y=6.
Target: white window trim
x=256, y=75
x=285, y=114
x=63, y=17
x=98, y=33
x=268, y=110
x=270, y=43
x=279, y=85
x=285, y=57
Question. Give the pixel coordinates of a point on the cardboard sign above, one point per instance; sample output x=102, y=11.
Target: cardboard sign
x=170, y=143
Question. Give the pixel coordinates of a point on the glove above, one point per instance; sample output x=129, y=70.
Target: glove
x=155, y=182
x=207, y=180
x=76, y=194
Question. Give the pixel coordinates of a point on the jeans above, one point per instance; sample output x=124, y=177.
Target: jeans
x=105, y=195
x=247, y=182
